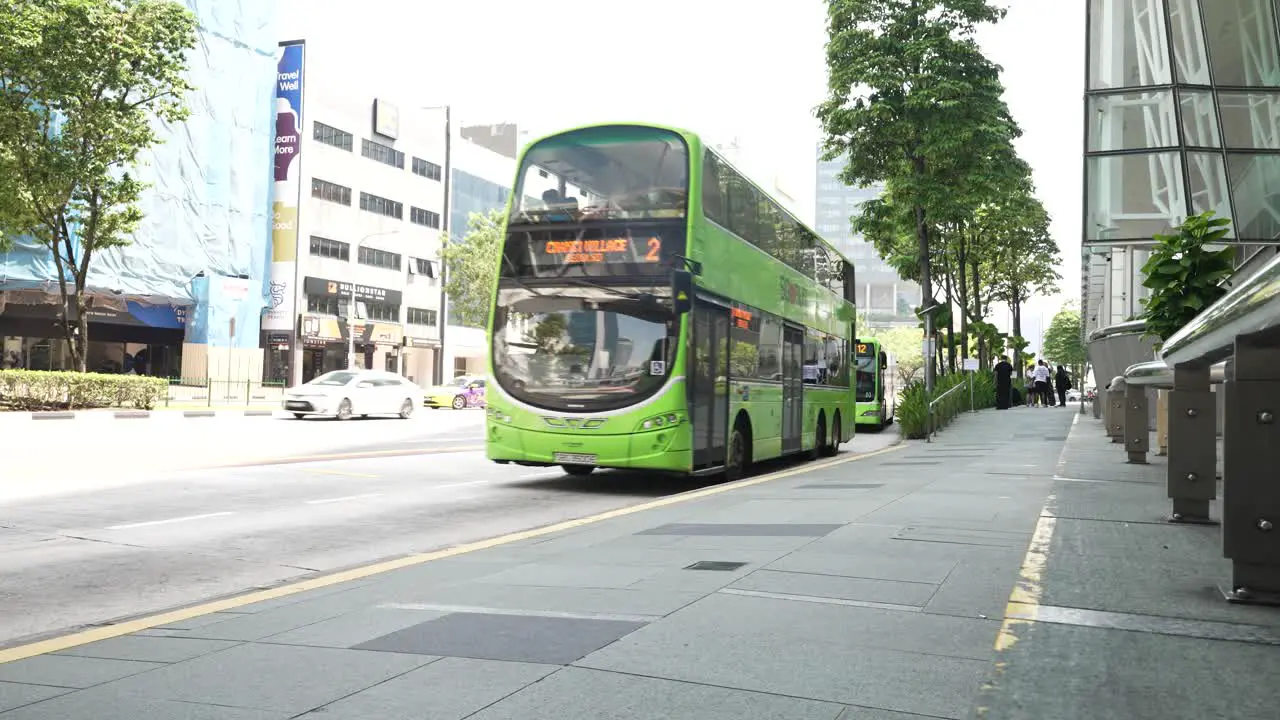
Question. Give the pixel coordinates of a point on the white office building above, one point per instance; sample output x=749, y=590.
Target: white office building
x=371, y=217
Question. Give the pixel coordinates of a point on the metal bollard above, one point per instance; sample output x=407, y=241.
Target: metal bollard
x=1114, y=411
x=1193, y=447
x=1162, y=422
x=1251, y=493
x=1137, y=438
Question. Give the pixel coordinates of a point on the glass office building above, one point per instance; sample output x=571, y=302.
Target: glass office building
x=1182, y=115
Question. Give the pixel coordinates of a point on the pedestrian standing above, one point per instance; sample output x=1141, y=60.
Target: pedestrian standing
x=1041, y=377
x=1062, y=383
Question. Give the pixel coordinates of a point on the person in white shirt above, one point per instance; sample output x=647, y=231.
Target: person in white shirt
x=1041, y=376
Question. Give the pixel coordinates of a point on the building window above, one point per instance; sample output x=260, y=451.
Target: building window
x=331, y=192
x=324, y=247
x=386, y=312
x=381, y=206
x=379, y=258
x=420, y=316
x=426, y=169
x=384, y=154
x=421, y=266
x=418, y=216
x=330, y=135
x=322, y=304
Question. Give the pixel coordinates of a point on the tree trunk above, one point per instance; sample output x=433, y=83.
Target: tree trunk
x=962, y=268
x=926, y=286
x=1016, y=308
x=80, y=345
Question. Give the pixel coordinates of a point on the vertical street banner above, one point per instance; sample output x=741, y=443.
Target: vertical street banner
x=280, y=312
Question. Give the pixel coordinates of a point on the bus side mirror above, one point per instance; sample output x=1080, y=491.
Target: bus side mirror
x=682, y=291
x=884, y=359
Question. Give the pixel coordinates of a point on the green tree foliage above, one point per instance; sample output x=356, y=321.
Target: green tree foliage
x=1184, y=275
x=905, y=344
x=914, y=105
x=82, y=86
x=1063, y=341
x=471, y=265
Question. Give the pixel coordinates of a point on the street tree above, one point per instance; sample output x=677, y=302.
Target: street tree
x=82, y=86
x=909, y=89
x=1064, y=340
x=470, y=264
x=1021, y=264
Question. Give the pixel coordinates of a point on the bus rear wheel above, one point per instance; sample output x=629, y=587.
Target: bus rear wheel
x=738, y=454
x=577, y=470
x=832, y=448
x=819, y=439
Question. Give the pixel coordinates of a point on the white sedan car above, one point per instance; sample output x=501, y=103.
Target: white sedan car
x=343, y=393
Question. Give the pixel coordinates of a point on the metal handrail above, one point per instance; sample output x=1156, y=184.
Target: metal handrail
x=932, y=430
x=1158, y=374
x=1128, y=327
x=1252, y=306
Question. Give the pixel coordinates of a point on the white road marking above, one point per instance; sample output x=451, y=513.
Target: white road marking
x=344, y=498
x=169, y=521
x=537, y=476
x=463, y=484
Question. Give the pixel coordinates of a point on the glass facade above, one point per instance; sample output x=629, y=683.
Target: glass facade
x=471, y=194
x=881, y=294
x=1182, y=115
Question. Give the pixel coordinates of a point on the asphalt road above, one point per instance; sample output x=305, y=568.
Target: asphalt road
x=113, y=549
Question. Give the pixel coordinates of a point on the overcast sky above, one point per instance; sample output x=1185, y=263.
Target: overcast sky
x=727, y=69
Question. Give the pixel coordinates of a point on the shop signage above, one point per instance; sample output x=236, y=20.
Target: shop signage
x=342, y=289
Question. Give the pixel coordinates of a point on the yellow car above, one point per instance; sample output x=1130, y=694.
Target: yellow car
x=463, y=392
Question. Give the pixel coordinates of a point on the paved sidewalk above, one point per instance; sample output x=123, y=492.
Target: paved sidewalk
x=1128, y=619
x=872, y=589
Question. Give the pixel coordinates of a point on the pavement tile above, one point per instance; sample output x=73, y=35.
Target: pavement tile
x=864, y=713
x=70, y=671
x=1058, y=672
x=564, y=574
x=349, y=630
x=806, y=511
x=255, y=626
x=14, y=695
x=584, y=601
x=106, y=704
x=199, y=621
x=448, y=689
x=979, y=586
x=581, y=693
x=282, y=678
x=835, y=586
x=850, y=655
x=517, y=638
x=875, y=566
x=149, y=648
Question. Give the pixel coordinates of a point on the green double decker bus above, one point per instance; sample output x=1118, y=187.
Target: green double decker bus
x=877, y=393
x=656, y=310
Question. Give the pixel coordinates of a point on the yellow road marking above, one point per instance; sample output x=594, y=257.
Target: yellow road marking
x=126, y=627
x=322, y=471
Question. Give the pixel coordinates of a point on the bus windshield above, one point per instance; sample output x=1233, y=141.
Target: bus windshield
x=583, y=348
x=866, y=386
x=619, y=172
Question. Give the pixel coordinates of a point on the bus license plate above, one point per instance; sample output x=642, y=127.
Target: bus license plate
x=575, y=458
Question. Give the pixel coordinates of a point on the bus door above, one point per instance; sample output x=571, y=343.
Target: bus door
x=709, y=382
x=792, y=388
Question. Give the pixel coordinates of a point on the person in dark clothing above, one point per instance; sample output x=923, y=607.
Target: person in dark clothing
x=1004, y=384
x=1062, y=383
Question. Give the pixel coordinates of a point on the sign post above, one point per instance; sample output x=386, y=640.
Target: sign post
x=971, y=366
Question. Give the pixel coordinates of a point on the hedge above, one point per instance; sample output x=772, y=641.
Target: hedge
x=913, y=407
x=42, y=390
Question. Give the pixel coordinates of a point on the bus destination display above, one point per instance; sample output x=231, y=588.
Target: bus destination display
x=605, y=251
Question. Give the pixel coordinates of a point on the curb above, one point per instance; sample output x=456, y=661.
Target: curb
x=133, y=414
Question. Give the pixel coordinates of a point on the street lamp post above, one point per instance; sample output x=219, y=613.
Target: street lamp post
x=437, y=372
x=351, y=305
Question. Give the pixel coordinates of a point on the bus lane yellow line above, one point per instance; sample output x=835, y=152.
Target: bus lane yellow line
x=125, y=627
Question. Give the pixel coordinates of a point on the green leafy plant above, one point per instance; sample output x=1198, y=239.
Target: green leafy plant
x=913, y=407
x=1184, y=275
x=40, y=390
x=469, y=262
